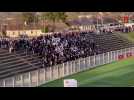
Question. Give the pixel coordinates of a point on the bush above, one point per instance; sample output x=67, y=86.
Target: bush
x=45, y=30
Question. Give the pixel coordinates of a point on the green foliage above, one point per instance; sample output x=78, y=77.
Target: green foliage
x=29, y=17
x=45, y=30
x=54, y=17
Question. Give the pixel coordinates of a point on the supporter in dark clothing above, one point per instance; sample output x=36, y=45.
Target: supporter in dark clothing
x=57, y=48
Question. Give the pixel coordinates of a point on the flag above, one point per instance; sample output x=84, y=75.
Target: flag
x=129, y=54
x=120, y=57
x=55, y=41
x=125, y=19
x=59, y=49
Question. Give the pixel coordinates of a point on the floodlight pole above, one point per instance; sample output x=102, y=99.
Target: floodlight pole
x=101, y=20
x=97, y=22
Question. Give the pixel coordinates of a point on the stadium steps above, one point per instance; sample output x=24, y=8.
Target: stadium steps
x=12, y=64
x=30, y=58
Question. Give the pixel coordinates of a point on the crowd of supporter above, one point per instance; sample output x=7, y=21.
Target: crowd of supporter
x=125, y=29
x=54, y=49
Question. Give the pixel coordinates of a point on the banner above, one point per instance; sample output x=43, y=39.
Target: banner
x=70, y=83
x=129, y=54
x=125, y=19
x=120, y=57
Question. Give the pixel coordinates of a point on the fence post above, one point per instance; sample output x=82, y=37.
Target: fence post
x=108, y=57
x=117, y=56
x=99, y=56
x=129, y=50
x=44, y=75
x=73, y=67
x=89, y=62
x=37, y=77
x=123, y=52
x=4, y=83
x=70, y=67
x=114, y=55
x=84, y=62
x=132, y=51
x=73, y=64
x=30, y=79
x=97, y=60
x=94, y=61
x=76, y=66
x=67, y=69
x=13, y=79
x=21, y=80
x=79, y=66
x=63, y=70
x=58, y=71
x=50, y=70
x=111, y=56
x=103, y=59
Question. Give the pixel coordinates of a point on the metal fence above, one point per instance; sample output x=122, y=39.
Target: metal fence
x=44, y=75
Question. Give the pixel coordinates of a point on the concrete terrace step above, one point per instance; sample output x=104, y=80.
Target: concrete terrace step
x=19, y=70
x=14, y=71
x=11, y=63
x=4, y=54
x=8, y=60
x=11, y=66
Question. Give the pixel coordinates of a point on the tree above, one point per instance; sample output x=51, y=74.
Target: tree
x=55, y=17
x=29, y=17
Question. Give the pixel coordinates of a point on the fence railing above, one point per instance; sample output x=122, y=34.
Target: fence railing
x=44, y=75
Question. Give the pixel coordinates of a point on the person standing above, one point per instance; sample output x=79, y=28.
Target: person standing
x=10, y=49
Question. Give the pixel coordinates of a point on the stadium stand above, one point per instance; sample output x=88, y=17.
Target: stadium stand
x=46, y=51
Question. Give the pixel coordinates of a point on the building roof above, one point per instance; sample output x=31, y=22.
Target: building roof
x=91, y=21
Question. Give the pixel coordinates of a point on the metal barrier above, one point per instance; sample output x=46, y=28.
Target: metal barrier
x=44, y=75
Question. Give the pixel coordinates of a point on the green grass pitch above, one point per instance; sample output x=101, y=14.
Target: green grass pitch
x=116, y=74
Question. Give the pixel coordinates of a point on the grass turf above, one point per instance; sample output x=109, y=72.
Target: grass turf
x=118, y=74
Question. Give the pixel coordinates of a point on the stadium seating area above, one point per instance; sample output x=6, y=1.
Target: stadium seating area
x=20, y=61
